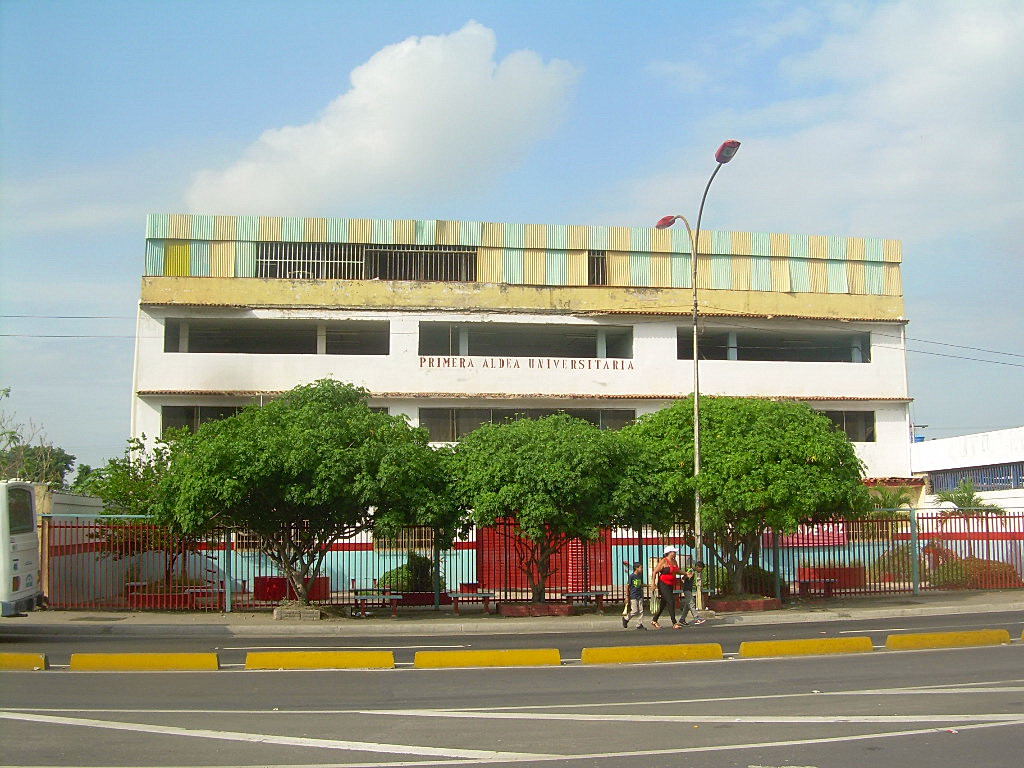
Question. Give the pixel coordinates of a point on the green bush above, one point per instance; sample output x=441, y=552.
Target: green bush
x=897, y=563
x=976, y=573
x=415, y=575
x=950, y=575
x=756, y=581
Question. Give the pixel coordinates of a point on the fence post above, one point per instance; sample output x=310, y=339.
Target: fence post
x=437, y=572
x=229, y=571
x=775, y=565
x=915, y=553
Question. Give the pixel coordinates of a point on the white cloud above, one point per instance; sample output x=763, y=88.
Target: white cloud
x=424, y=118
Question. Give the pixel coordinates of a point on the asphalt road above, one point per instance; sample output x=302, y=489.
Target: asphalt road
x=232, y=650
x=920, y=709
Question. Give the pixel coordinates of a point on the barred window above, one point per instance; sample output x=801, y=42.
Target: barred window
x=993, y=477
x=419, y=538
x=362, y=261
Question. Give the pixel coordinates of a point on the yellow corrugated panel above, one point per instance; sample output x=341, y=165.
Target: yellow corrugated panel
x=489, y=264
x=270, y=228
x=817, y=246
x=661, y=240
x=405, y=231
x=492, y=234
x=180, y=226
x=360, y=230
x=704, y=271
x=705, y=244
x=819, y=275
x=315, y=230
x=780, y=273
x=855, y=276
x=222, y=259
x=893, y=280
x=780, y=244
x=448, y=233
x=177, y=258
x=619, y=272
x=740, y=271
x=579, y=238
x=855, y=249
x=892, y=250
x=224, y=228
x=533, y=266
x=536, y=236
x=661, y=270
x=578, y=273
x=618, y=240
x=741, y=246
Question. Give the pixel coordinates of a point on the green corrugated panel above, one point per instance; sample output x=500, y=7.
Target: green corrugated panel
x=837, y=248
x=682, y=270
x=721, y=270
x=337, y=230
x=202, y=227
x=721, y=242
x=873, y=249
x=799, y=248
x=247, y=228
x=199, y=253
x=760, y=244
x=512, y=265
x=293, y=229
x=515, y=236
x=640, y=241
x=158, y=225
x=837, y=277
x=681, y=241
x=154, y=257
x=426, y=232
x=640, y=269
x=470, y=232
x=382, y=232
x=556, y=267
x=874, y=278
x=558, y=237
x=800, y=273
x=245, y=259
x=760, y=273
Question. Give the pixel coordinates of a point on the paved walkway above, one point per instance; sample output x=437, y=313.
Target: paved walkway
x=428, y=622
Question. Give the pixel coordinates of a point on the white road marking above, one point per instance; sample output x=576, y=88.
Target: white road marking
x=262, y=738
x=965, y=627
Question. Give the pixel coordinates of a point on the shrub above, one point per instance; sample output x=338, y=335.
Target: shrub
x=950, y=575
x=415, y=575
x=975, y=573
x=897, y=564
x=756, y=581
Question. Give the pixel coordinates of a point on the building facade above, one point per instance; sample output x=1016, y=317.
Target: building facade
x=992, y=461
x=453, y=323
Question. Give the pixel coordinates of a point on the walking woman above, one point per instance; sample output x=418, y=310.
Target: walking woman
x=665, y=582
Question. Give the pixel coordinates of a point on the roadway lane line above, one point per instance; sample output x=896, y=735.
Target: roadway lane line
x=985, y=625
x=262, y=738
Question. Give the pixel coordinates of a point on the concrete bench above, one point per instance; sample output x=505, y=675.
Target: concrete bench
x=825, y=586
x=471, y=597
x=376, y=599
x=596, y=596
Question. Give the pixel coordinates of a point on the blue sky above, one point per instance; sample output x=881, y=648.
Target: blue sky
x=898, y=119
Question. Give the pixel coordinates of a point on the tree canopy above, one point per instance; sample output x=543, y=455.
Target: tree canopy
x=25, y=453
x=554, y=476
x=305, y=470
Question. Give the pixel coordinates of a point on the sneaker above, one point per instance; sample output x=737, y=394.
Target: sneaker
x=625, y=622
x=698, y=621
x=642, y=627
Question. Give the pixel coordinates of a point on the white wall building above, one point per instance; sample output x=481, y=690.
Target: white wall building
x=993, y=461
x=457, y=323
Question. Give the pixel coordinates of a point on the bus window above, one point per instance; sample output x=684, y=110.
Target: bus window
x=19, y=511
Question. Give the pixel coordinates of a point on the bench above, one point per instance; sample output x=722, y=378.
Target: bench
x=377, y=599
x=597, y=597
x=485, y=597
x=825, y=586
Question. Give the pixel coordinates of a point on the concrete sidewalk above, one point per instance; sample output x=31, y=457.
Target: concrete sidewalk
x=428, y=622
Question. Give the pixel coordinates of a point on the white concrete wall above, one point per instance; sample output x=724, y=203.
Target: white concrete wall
x=1003, y=446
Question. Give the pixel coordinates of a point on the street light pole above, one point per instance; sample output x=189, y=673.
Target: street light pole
x=724, y=154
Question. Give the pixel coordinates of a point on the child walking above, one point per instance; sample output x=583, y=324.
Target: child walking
x=636, y=597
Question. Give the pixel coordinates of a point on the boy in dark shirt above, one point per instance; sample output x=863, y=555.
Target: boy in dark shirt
x=688, y=584
x=636, y=597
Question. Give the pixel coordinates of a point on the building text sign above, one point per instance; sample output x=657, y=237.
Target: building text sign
x=526, y=363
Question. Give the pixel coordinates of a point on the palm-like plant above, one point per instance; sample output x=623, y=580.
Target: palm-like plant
x=889, y=500
x=967, y=502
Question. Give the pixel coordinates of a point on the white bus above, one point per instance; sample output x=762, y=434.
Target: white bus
x=20, y=577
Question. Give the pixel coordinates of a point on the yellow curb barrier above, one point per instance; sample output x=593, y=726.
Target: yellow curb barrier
x=634, y=654
x=947, y=639
x=23, y=661
x=529, y=657
x=143, y=662
x=320, y=660
x=811, y=647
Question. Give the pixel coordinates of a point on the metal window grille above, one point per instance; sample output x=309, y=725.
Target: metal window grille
x=310, y=261
x=419, y=538
x=448, y=263
x=994, y=477
x=597, y=268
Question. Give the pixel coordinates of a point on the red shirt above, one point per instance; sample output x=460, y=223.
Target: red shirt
x=670, y=577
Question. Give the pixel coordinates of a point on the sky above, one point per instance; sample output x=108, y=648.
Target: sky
x=898, y=119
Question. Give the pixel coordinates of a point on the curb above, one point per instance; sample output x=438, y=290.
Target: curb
x=320, y=660
x=635, y=654
x=144, y=662
x=948, y=639
x=813, y=647
x=529, y=657
x=23, y=662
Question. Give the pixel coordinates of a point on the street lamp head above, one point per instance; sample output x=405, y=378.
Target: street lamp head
x=665, y=222
x=727, y=151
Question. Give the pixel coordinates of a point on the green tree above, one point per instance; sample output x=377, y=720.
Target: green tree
x=966, y=503
x=25, y=452
x=764, y=464
x=553, y=476
x=890, y=500
x=304, y=471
